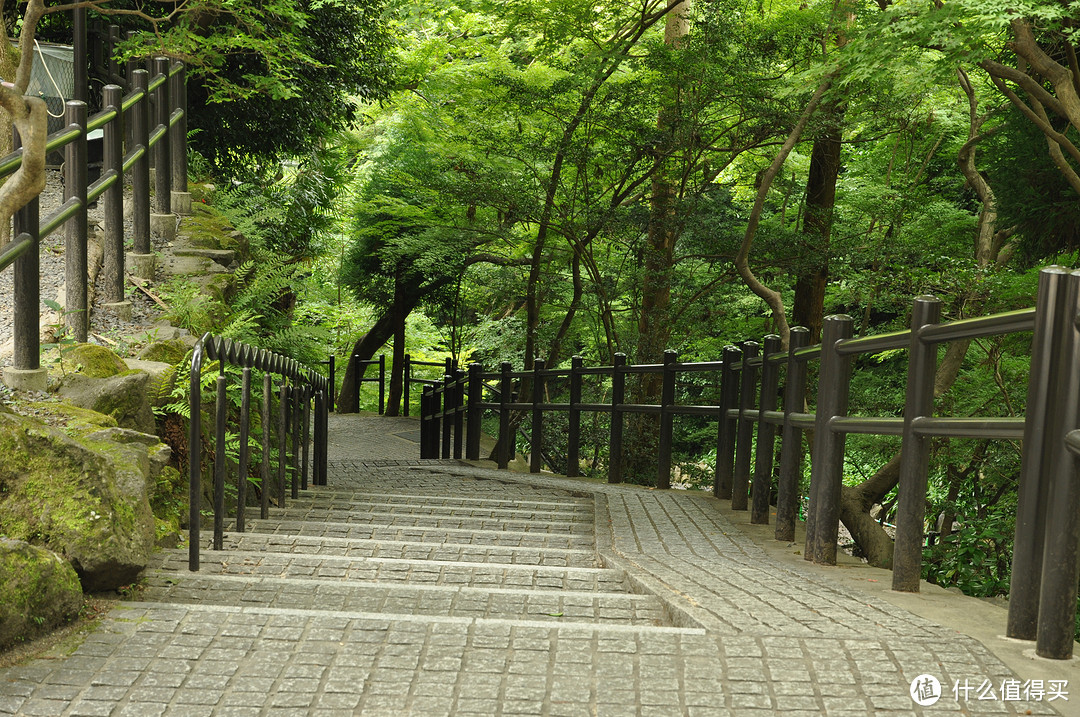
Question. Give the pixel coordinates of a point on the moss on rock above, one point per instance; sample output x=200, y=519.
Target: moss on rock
x=38, y=592
x=124, y=397
x=94, y=361
x=87, y=501
x=170, y=351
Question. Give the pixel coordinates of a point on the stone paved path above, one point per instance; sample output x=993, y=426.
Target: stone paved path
x=437, y=588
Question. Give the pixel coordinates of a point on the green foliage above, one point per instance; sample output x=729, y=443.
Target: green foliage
x=974, y=559
x=292, y=216
x=270, y=80
x=63, y=341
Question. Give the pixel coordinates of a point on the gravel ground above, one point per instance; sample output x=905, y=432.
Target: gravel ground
x=105, y=328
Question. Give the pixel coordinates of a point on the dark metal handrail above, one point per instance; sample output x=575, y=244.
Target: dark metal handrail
x=298, y=387
x=750, y=386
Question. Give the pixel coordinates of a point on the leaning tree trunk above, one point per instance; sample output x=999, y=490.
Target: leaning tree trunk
x=348, y=400
x=808, y=309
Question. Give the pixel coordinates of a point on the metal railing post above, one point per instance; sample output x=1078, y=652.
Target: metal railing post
x=283, y=418
x=1061, y=552
x=316, y=435
x=740, y=479
x=447, y=415
x=1051, y=324
x=766, y=434
x=242, y=462
x=382, y=384
x=219, y=460
x=140, y=178
x=573, y=436
x=725, y=430
x=305, y=435
x=618, y=398
x=296, y=393
x=81, y=56
x=324, y=417
x=405, y=376
x=113, y=199
x=27, y=294
x=355, y=365
x=264, y=466
x=791, y=451
x=915, y=450
x=129, y=69
x=826, y=472
x=76, y=314
x=474, y=416
x=181, y=198
x=162, y=170
x=506, y=438
x=459, y=417
x=112, y=66
x=194, y=455
x=536, y=435
x=331, y=385
x=425, y=423
x=667, y=421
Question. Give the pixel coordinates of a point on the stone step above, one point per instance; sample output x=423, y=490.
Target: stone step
x=276, y=624
x=409, y=550
x=488, y=509
x=397, y=570
x=496, y=500
x=416, y=516
x=389, y=599
x=526, y=535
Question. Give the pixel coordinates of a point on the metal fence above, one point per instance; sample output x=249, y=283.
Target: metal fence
x=167, y=140
x=1046, y=562
x=449, y=366
x=297, y=388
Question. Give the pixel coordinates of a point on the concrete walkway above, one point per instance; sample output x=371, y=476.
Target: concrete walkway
x=441, y=588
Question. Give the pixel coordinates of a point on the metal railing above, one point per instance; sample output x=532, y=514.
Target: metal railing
x=168, y=140
x=357, y=364
x=298, y=387
x=448, y=366
x=1045, y=566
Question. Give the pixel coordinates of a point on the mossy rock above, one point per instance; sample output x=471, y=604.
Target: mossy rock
x=39, y=591
x=168, y=499
x=86, y=500
x=125, y=397
x=93, y=360
x=170, y=351
x=80, y=420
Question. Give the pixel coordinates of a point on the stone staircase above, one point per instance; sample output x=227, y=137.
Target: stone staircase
x=399, y=541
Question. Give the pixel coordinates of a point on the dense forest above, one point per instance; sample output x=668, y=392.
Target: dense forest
x=538, y=179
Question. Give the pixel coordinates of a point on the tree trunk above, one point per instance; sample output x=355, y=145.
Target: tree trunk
x=654, y=324
x=808, y=308
x=856, y=501
x=378, y=335
x=773, y=298
x=397, y=366
x=364, y=349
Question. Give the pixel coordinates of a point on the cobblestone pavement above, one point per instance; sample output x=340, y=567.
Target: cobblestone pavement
x=438, y=588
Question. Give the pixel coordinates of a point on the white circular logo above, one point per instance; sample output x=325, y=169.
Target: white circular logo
x=925, y=690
